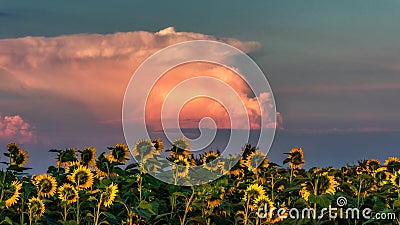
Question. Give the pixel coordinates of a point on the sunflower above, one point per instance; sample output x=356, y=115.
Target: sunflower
x=381, y=176
x=295, y=158
x=304, y=193
x=67, y=193
x=120, y=153
x=253, y=191
x=11, y=193
x=259, y=162
x=372, y=165
x=45, y=184
x=392, y=164
x=245, y=160
x=344, y=170
x=109, y=194
x=237, y=173
x=327, y=183
x=36, y=207
x=216, y=197
x=72, y=166
x=104, y=166
x=395, y=179
x=88, y=156
x=210, y=162
x=158, y=144
x=82, y=177
x=180, y=146
x=261, y=201
x=18, y=156
x=181, y=166
x=66, y=156
x=144, y=149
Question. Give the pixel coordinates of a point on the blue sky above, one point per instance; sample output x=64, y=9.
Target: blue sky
x=334, y=66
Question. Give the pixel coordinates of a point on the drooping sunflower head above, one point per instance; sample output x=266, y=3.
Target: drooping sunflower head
x=144, y=149
x=216, y=197
x=253, y=191
x=392, y=164
x=46, y=185
x=327, y=184
x=17, y=155
x=82, y=177
x=258, y=162
x=36, y=207
x=372, y=165
x=88, y=156
x=120, y=153
x=180, y=146
x=104, y=166
x=181, y=166
x=395, y=179
x=109, y=194
x=68, y=193
x=66, y=156
x=158, y=144
x=11, y=193
x=210, y=162
x=295, y=158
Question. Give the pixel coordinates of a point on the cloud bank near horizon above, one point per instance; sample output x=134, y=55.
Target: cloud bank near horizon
x=82, y=77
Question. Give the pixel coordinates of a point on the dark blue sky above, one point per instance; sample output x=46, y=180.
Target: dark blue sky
x=334, y=66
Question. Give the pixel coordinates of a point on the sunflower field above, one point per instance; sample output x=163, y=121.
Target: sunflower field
x=83, y=187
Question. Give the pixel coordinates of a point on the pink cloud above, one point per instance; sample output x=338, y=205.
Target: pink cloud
x=15, y=129
x=94, y=69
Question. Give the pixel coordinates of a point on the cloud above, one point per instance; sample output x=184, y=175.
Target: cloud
x=15, y=129
x=94, y=70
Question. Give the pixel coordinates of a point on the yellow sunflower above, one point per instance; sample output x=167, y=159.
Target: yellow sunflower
x=261, y=201
x=11, y=193
x=144, y=149
x=36, y=207
x=245, y=161
x=109, y=194
x=104, y=166
x=372, y=165
x=216, y=198
x=45, y=184
x=395, y=179
x=295, y=158
x=253, y=191
x=180, y=146
x=327, y=183
x=120, y=153
x=88, y=156
x=304, y=193
x=67, y=193
x=66, y=156
x=181, y=166
x=210, y=162
x=381, y=176
x=72, y=166
x=158, y=144
x=18, y=156
x=392, y=164
x=82, y=177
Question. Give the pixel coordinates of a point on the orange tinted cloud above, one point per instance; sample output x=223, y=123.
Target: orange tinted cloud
x=94, y=69
x=15, y=129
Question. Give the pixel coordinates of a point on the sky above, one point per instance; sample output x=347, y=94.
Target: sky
x=333, y=66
